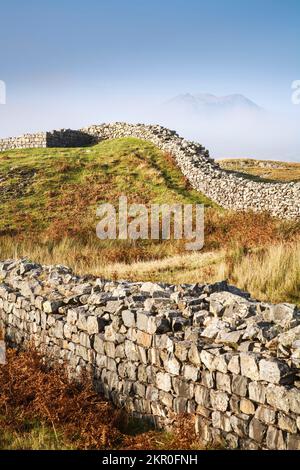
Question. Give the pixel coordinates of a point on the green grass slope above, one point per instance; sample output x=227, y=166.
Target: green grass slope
x=48, y=201
x=44, y=191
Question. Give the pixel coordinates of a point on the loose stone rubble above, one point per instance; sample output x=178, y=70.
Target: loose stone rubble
x=161, y=350
x=226, y=188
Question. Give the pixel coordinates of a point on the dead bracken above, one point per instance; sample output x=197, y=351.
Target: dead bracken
x=160, y=351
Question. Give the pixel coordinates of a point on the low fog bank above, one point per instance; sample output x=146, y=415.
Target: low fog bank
x=237, y=135
x=234, y=134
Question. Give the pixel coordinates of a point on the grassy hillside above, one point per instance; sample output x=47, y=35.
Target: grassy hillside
x=266, y=169
x=57, y=190
x=48, y=201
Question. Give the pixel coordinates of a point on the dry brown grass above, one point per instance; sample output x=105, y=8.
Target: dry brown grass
x=266, y=169
x=39, y=408
x=271, y=273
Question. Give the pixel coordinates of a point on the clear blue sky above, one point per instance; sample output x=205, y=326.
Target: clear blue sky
x=58, y=52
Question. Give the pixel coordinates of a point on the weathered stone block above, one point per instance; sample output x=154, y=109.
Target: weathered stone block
x=69, y=330
x=248, y=444
x=293, y=442
x=282, y=314
x=131, y=372
x=257, y=392
x=223, y=382
x=151, y=324
x=131, y=351
x=208, y=379
x=190, y=372
x=207, y=359
x=163, y=381
x=151, y=287
x=231, y=337
x=111, y=364
x=81, y=321
x=180, y=405
x=239, y=385
x=166, y=398
x=164, y=341
x=234, y=404
x=202, y=428
x=239, y=425
x=286, y=423
x=278, y=397
x=110, y=349
x=154, y=357
x=272, y=370
x=120, y=351
x=220, y=363
x=99, y=343
x=111, y=333
x=265, y=414
x=151, y=393
x=201, y=410
x=144, y=339
x=234, y=365
x=232, y=441
x=171, y=365
x=139, y=389
x=219, y=400
x=52, y=306
x=249, y=365
x=150, y=373
x=58, y=329
x=202, y=396
x=221, y=421
x=194, y=355
x=128, y=318
x=182, y=349
x=72, y=316
x=247, y=407
x=191, y=407
x=293, y=396
x=275, y=439
x=182, y=387
x=84, y=339
x=257, y=430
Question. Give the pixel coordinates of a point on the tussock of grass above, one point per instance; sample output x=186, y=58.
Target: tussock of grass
x=31, y=435
x=272, y=273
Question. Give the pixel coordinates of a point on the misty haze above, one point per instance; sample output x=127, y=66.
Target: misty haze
x=231, y=126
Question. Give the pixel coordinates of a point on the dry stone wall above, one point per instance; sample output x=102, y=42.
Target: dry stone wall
x=25, y=141
x=228, y=189
x=68, y=138
x=161, y=350
x=60, y=138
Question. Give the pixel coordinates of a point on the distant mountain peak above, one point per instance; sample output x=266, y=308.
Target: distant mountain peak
x=209, y=102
